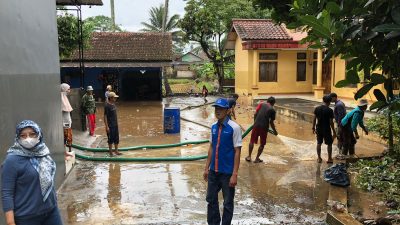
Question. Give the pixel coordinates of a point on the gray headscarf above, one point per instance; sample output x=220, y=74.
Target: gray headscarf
x=39, y=156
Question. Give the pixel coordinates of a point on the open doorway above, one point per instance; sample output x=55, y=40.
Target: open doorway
x=141, y=84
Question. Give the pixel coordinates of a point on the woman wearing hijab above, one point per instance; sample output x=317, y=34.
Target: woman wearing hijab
x=66, y=115
x=27, y=177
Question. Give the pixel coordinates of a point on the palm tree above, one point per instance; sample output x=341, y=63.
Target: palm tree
x=156, y=23
x=159, y=22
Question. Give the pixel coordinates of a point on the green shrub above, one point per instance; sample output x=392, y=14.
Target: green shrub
x=380, y=175
x=379, y=124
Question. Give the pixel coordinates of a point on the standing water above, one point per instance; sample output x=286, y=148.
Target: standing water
x=287, y=188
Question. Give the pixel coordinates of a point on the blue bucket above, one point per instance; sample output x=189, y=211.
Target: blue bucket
x=172, y=120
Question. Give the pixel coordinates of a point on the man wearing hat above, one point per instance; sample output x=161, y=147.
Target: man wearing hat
x=350, y=123
x=111, y=123
x=222, y=164
x=89, y=109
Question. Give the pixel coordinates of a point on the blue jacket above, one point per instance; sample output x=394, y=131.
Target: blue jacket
x=358, y=115
x=224, y=139
x=20, y=190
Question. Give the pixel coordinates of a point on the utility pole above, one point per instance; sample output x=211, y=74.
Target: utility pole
x=112, y=15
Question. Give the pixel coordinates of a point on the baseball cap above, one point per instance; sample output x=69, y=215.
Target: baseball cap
x=222, y=103
x=112, y=95
x=89, y=88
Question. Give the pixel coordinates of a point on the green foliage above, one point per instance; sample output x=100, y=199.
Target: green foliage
x=68, y=34
x=379, y=125
x=207, y=71
x=381, y=175
x=208, y=22
x=155, y=25
x=366, y=31
x=101, y=24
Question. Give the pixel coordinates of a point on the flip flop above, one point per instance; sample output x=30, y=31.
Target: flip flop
x=258, y=161
x=329, y=162
x=118, y=153
x=248, y=159
x=319, y=160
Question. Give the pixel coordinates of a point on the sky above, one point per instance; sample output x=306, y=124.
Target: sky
x=130, y=13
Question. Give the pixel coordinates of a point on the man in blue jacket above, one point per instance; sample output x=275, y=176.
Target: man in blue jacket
x=350, y=123
x=222, y=164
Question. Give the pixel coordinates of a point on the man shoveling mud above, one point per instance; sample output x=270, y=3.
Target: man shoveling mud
x=222, y=164
x=263, y=118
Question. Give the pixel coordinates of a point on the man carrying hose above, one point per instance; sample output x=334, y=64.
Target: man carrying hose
x=263, y=118
x=222, y=164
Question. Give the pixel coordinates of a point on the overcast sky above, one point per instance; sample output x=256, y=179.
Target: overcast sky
x=130, y=13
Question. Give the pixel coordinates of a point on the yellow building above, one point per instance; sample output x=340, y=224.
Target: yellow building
x=269, y=59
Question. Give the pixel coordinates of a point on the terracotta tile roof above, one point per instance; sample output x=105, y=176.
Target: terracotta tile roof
x=79, y=2
x=128, y=47
x=259, y=29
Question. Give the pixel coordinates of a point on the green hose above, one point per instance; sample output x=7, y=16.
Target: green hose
x=142, y=159
x=149, y=159
x=141, y=147
x=152, y=146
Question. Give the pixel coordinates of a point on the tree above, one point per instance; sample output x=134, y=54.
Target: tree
x=211, y=20
x=365, y=31
x=69, y=35
x=160, y=22
x=101, y=24
x=156, y=23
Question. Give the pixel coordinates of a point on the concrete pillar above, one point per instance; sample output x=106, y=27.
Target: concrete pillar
x=319, y=89
x=254, y=83
x=30, y=75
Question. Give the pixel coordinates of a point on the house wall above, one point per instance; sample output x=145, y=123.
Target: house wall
x=242, y=69
x=247, y=69
x=338, y=74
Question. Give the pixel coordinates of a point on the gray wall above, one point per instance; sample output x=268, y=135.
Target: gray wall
x=29, y=74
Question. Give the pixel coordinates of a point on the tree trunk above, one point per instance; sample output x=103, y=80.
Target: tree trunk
x=390, y=119
x=390, y=141
x=164, y=20
x=168, y=90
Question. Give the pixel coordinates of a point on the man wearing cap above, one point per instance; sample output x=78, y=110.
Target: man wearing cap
x=222, y=164
x=339, y=111
x=322, y=126
x=111, y=122
x=350, y=123
x=89, y=109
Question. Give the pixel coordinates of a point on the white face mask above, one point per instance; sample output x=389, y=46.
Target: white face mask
x=29, y=143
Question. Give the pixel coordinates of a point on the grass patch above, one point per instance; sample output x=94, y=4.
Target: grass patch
x=180, y=81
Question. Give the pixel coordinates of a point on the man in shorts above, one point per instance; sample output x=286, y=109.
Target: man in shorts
x=111, y=122
x=263, y=118
x=322, y=126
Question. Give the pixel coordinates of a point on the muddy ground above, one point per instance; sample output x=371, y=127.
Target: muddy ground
x=288, y=188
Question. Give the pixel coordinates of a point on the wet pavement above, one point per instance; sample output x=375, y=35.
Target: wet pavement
x=287, y=188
